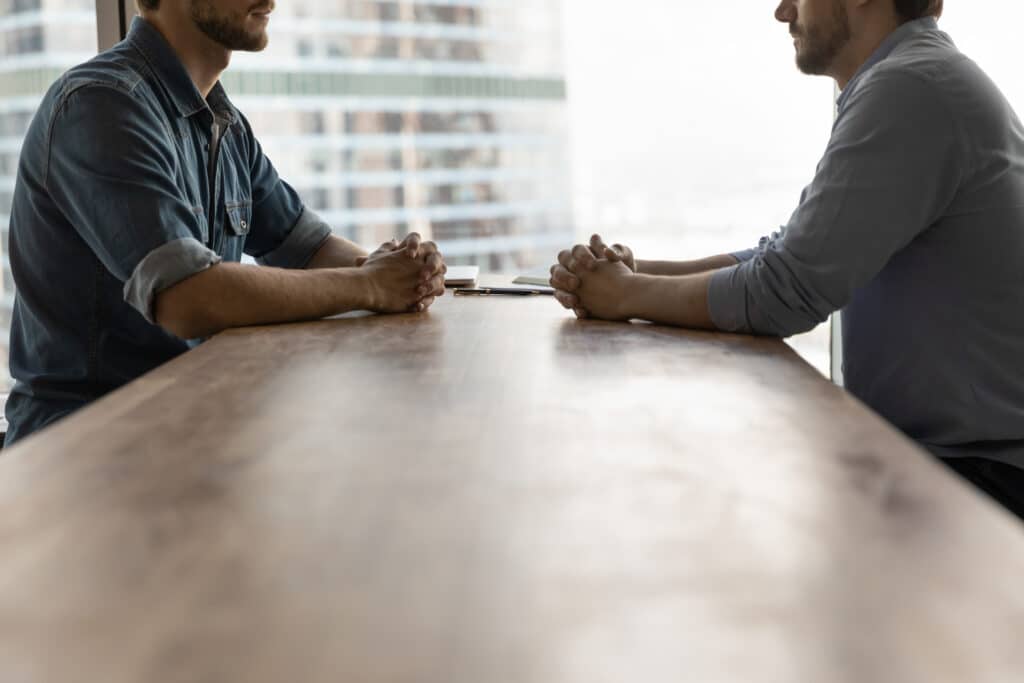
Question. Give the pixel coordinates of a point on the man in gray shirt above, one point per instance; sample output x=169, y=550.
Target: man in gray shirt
x=913, y=226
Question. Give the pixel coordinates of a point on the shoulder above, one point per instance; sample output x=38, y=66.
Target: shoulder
x=922, y=78
x=111, y=107
x=118, y=68
x=929, y=55
x=104, y=113
x=112, y=84
x=898, y=92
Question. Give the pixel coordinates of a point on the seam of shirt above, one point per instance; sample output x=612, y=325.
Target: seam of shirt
x=931, y=87
x=899, y=71
x=61, y=108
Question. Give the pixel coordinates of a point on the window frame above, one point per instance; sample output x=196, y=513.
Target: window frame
x=836, y=322
x=113, y=17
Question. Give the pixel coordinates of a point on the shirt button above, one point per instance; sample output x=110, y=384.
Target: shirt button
x=245, y=225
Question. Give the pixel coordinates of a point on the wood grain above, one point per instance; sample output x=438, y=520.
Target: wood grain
x=495, y=493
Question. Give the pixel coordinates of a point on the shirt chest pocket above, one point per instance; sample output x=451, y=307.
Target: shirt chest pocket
x=239, y=217
x=237, y=224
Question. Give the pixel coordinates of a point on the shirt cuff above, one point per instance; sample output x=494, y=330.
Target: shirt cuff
x=745, y=255
x=307, y=236
x=749, y=254
x=163, y=268
x=727, y=300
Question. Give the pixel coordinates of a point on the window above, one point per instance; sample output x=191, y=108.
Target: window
x=693, y=133
x=39, y=39
x=386, y=116
x=448, y=118
x=508, y=130
x=984, y=30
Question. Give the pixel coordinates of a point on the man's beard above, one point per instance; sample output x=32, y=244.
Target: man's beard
x=821, y=45
x=227, y=29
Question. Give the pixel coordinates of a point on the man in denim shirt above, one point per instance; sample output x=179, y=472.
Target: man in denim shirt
x=139, y=189
x=913, y=226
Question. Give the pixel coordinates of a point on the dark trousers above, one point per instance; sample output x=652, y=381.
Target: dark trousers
x=1004, y=483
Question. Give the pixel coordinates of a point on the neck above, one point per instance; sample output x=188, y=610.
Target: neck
x=867, y=38
x=203, y=59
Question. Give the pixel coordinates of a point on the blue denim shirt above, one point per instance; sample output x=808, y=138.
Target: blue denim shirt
x=914, y=226
x=113, y=204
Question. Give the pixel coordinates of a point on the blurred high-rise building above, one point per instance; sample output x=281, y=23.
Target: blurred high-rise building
x=443, y=116
x=446, y=117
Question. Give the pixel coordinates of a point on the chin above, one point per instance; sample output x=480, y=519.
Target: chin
x=809, y=67
x=255, y=43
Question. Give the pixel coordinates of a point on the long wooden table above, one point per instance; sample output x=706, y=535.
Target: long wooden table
x=495, y=492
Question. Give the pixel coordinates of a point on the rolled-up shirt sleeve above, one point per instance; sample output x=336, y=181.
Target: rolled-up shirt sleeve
x=745, y=255
x=164, y=267
x=284, y=234
x=300, y=244
x=891, y=168
x=748, y=254
x=111, y=168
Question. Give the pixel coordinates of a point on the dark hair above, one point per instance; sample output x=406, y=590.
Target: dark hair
x=149, y=4
x=908, y=9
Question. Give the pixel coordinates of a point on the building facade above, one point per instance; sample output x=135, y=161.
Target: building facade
x=448, y=117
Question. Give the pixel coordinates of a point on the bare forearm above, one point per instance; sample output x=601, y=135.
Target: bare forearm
x=232, y=295
x=336, y=252
x=677, y=268
x=670, y=300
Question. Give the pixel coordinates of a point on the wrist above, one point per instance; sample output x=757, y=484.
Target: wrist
x=356, y=288
x=630, y=295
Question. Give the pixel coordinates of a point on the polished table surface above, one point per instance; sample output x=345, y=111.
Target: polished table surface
x=495, y=492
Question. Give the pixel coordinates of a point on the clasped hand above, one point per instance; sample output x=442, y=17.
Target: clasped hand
x=593, y=281
x=404, y=276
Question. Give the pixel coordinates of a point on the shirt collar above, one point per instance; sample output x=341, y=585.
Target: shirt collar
x=172, y=74
x=892, y=41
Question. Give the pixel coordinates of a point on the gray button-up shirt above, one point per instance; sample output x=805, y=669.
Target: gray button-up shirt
x=129, y=183
x=914, y=227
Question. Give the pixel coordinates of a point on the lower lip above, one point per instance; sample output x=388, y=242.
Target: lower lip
x=262, y=17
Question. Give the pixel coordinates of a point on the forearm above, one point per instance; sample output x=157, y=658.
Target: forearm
x=232, y=295
x=677, y=268
x=670, y=300
x=336, y=252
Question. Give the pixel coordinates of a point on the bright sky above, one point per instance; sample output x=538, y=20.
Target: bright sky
x=690, y=120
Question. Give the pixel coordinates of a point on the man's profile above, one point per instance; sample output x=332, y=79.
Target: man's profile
x=913, y=227
x=139, y=189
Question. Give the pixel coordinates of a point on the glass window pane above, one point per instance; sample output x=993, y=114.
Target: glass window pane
x=991, y=43
x=693, y=131
x=39, y=40
x=455, y=119
x=448, y=118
